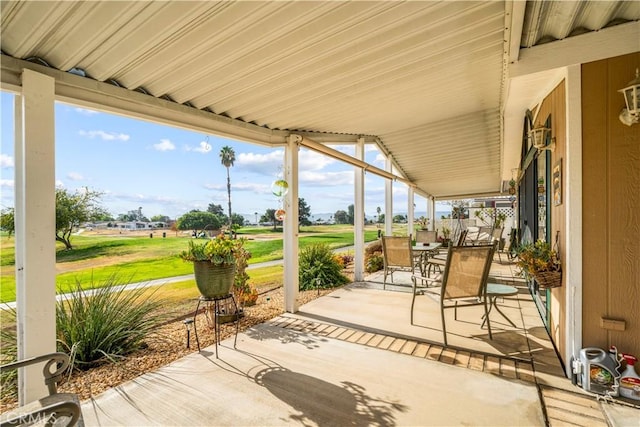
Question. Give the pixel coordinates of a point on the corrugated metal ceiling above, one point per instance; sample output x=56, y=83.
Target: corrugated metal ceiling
x=426, y=78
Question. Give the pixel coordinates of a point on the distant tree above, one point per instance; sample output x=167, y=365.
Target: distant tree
x=399, y=218
x=7, y=221
x=379, y=211
x=128, y=217
x=381, y=219
x=227, y=157
x=105, y=216
x=237, y=219
x=197, y=221
x=215, y=209
x=73, y=210
x=341, y=217
x=160, y=218
x=304, y=212
x=270, y=216
x=350, y=214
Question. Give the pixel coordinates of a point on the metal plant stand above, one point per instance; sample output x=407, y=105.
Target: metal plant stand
x=216, y=312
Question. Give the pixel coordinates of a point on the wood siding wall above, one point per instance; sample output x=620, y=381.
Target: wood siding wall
x=611, y=207
x=554, y=106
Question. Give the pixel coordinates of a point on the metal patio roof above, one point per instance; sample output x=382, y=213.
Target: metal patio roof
x=428, y=81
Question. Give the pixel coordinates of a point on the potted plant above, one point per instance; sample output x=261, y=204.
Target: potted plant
x=539, y=261
x=214, y=264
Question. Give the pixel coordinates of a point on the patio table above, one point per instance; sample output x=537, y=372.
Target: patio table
x=425, y=250
x=494, y=291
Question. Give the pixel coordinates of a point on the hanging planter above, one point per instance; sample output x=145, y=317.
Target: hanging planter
x=280, y=214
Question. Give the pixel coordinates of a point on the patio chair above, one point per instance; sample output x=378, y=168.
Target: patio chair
x=398, y=256
x=483, y=237
x=426, y=236
x=60, y=409
x=463, y=283
x=439, y=260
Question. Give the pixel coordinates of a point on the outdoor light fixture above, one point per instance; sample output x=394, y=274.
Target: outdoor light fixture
x=631, y=114
x=538, y=136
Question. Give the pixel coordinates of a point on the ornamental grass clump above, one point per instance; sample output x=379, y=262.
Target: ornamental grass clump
x=107, y=322
x=318, y=268
x=8, y=354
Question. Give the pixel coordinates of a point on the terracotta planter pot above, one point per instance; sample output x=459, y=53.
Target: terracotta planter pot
x=213, y=280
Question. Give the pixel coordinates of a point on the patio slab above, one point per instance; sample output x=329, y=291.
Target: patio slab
x=353, y=358
x=280, y=376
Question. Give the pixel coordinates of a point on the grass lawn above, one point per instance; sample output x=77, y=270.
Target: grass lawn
x=140, y=259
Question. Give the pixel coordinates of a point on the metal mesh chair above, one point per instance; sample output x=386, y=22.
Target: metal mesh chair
x=60, y=409
x=398, y=256
x=463, y=283
x=426, y=236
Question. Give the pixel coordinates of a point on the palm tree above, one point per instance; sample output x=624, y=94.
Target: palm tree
x=227, y=157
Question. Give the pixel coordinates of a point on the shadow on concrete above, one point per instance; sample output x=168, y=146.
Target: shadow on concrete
x=321, y=403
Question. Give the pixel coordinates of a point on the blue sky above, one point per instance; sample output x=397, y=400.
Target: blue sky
x=170, y=171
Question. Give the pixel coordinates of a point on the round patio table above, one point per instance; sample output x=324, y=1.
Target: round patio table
x=495, y=291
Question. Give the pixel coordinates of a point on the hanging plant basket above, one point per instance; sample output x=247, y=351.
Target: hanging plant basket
x=213, y=280
x=548, y=279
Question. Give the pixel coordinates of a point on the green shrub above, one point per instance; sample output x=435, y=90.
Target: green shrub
x=107, y=322
x=8, y=354
x=373, y=263
x=319, y=269
x=373, y=260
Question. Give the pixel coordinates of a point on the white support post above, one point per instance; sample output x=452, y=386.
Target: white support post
x=573, y=213
x=358, y=214
x=388, y=201
x=411, y=207
x=290, y=240
x=432, y=208
x=35, y=215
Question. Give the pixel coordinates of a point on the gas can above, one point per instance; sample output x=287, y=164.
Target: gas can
x=599, y=373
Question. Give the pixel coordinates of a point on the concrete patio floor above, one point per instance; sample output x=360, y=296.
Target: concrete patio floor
x=352, y=358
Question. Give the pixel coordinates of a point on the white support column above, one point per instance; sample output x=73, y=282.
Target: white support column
x=410, y=210
x=388, y=201
x=290, y=240
x=432, y=209
x=573, y=213
x=35, y=215
x=358, y=214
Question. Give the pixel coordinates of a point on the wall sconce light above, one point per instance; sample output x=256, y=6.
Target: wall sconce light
x=538, y=136
x=631, y=93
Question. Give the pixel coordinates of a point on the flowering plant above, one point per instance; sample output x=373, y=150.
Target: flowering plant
x=535, y=258
x=219, y=251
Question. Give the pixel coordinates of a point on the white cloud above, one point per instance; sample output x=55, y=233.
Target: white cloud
x=380, y=159
x=266, y=164
x=59, y=184
x=86, y=112
x=75, y=176
x=313, y=161
x=203, y=147
x=326, y=179
x=105, y=136
x=7, y=183
x=6, y=161
x=164, y=145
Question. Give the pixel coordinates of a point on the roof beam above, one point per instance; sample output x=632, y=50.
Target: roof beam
x=102, y=96
x=593, y=46
x=338, y=155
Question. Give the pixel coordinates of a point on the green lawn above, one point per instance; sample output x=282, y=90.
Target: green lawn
x=141, y=259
